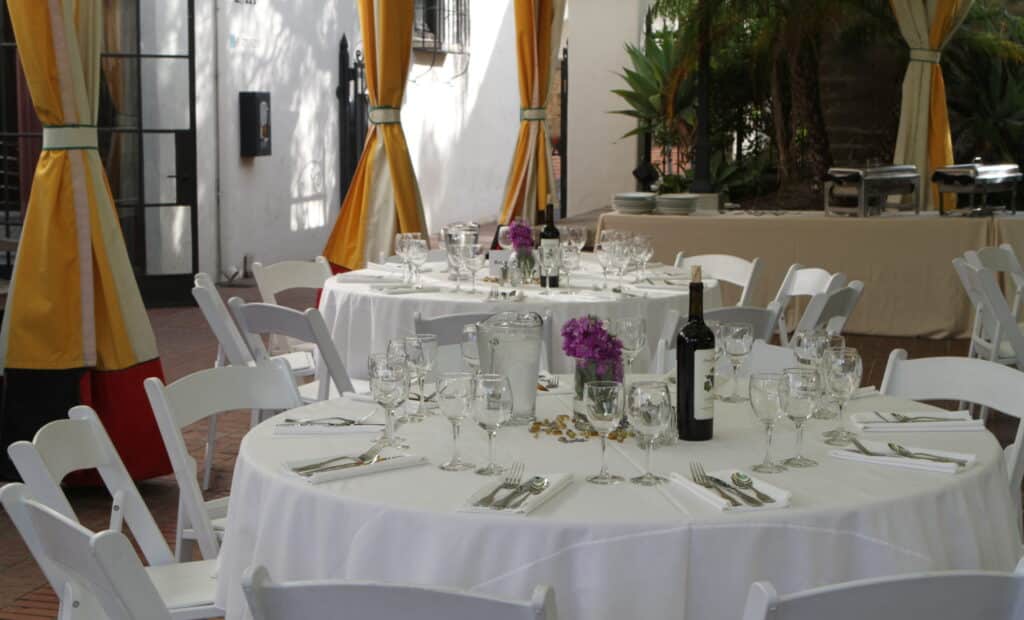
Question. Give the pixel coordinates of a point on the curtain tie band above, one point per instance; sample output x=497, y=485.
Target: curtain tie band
x=70, y=138
x=533, y=114
x=385, y=115
x=925, y=55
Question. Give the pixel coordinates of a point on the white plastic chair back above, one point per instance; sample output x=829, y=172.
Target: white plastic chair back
x=745, y=274
x=256, y=319
x=289, y=274
x=766, y=357
x=232, y=347
x=763, y=320
x=831, y=311
x=102, y=567
x=954, y=595
x=998, y=325
x=968, y=380
x=322, y=599
x=448, y=329
x=803, y=281
x=1002, y=259
x=199, y=395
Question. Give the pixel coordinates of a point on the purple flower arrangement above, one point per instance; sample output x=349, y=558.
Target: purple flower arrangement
x=522, y=236
x=598, y=354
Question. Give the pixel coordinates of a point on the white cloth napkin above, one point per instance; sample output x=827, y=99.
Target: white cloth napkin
x=389, y=460
x=365, y=278
x=868, y=422
x=404, y=290
x=781, y=496
x=893, y=460
x=284, y=429
x=662, y=285
x=864, y=392
x=557, y=482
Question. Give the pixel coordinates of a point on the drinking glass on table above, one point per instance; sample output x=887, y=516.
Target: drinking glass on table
x=623, y=253
x=570, y=261
x=809, y=345
x=454, y=394
x=842, y=368
x=420, y=355
x=492, y=408
x=632, y=332
x=605, y=254
x=470, y=350
x=649, y=408
x=505, y=237
x=389, y=385
x=577, y=235
x=401, y=251
x=472, y=257
x=549, y=261
x=764, y=400
x=416, y=252
x=737, y=340
x=643, y=250
x=602, y=401
x=799, y=391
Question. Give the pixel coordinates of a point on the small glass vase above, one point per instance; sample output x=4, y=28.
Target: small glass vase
x=585, y=372
x=526, y=263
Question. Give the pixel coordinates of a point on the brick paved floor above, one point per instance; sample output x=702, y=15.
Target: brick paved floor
x=186, y=345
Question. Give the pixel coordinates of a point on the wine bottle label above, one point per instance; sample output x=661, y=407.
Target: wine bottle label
x=703, y=384
x=552, y=253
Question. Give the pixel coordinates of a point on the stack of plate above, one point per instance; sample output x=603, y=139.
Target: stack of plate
x=633, y=202
x=676, y=204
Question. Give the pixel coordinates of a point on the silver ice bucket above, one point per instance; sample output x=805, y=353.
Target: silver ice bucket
x=509, y=344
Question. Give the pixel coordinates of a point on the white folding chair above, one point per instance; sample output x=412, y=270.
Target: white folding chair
x=830, y=311
x=967, y=380
x=953, y=595
x=257, y=319
x=763, y=320
x=197, y=396
x=766, y=357
x=322, y=599
x=803, y=281
x=286, y=275
x=996, y=335
x=1002, y=259
x=94, y=579
x=745, y=274
x=448, y=329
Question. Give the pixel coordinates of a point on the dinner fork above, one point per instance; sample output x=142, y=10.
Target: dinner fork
x=698, y=475
x=362, y=458
x=511, y=481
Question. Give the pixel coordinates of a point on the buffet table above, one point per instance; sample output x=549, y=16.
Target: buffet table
x=611, y=552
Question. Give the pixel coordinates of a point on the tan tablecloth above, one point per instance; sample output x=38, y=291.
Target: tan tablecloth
x=910, y=287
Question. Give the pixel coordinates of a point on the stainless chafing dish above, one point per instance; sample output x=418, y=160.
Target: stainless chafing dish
x=865, y=192
x=976, y=179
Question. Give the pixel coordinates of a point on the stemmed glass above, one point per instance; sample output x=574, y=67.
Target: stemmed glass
x=623, y=252
x=737, y=340
x=570, y=261
x=799, y=390
x=764, y=400
x=809, y=345
x=602, y=401
x=470, y=350
x=548, y=261
x=577, y=235
x=455, y=261
x=643, y=250
x=454, y=393
x=649, y=408
x=401, y=251
x=632, y=332
x=605, y=253
x=843, y=369
x=389, y=384
x=505, y=237
x=416, y=252
x=492, y=408
x=472, y=257
x=420, y=356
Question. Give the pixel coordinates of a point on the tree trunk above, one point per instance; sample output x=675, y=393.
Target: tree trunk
x=779, y=118
x=808, y=136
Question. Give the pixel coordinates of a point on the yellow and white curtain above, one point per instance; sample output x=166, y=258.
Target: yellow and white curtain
x=538, y=36
x=73, y=302
x=924, y=138
x=384, y=197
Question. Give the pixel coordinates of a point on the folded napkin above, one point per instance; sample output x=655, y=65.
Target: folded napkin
x=662, y=285
x=357, y=397
x=565, y=386
x=283, y=428
x=864, y=392
x=389, y=460
x=851, y=454
x=404, y=290
x=365, y=278
x=397, y=267
x=869, y=422
x=781, y=496
x=556, y=482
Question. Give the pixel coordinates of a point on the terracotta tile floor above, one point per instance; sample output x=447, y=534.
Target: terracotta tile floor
x=187, y=345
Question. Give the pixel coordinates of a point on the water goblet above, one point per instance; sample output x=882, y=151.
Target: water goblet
x=632, y=332
x=649, y=409
x=605, y=254
x=472, y=257
x=389, y=385
x=643, y=250
x=842, y=370
x=454, y=393
x=416, y=252
x=799, y=391
x=570, y=261
x=470, y=350
x=809, y=345
x=505, y=237
x=401, y=251
x=764, y=400
x=737, y=340
x=602, y=401
x=492, y=408
x=420, y=355
x=577, y=235
x=623, y=254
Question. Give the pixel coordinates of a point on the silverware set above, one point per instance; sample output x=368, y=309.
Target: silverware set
x=898, y=418
x=730, y=492
x=369, y=457
x=517, y=490
x=901, y=451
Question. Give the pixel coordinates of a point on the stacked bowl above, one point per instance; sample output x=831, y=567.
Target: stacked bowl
x=676, y=204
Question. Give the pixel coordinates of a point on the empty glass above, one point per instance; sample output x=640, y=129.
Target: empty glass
x=505, y=237
x=576, y=235
x=602, y=401
x=570, y=261
x=454, y=393
x=737, y=339
x=623, y=254
x=809, y=345
x=416, y=251
x=643, y=250
x=605, y=253
x=472, y=257
x=632, y=332
x=764, y=400
x=470, y=350
x=420, y=355
x=799, y=391
x=649, y=408
x=389, y=384
x=842, y=368
x=492, y=408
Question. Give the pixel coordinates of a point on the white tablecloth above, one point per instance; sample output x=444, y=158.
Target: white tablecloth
x=612, y=552
x=361, y=321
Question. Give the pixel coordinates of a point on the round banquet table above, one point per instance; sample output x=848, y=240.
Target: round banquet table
x=610, y=552
x=362, y=320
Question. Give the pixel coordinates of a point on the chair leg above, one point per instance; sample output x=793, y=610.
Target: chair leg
x=182, y=547
x=211, y=445
x=254, y=417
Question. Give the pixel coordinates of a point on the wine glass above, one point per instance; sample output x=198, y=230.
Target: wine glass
x=623, y=254
x=643, y=250
x=605, y=254
x=764, y=400
x=798, y=392
x=649, y=408
x=416, y=251
x=454, y=393
x=389, y=384
x=472, y=257
x=843, y=369
x=602, y=401
x=401, y=248
x=548, y=261
x=505, y=237
x=632, y=332
x=570, y=260
x=737, y=340
x=577, y=235
x=492, y=408
x=809, y=345
x=420, y=355
x=470, y=350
